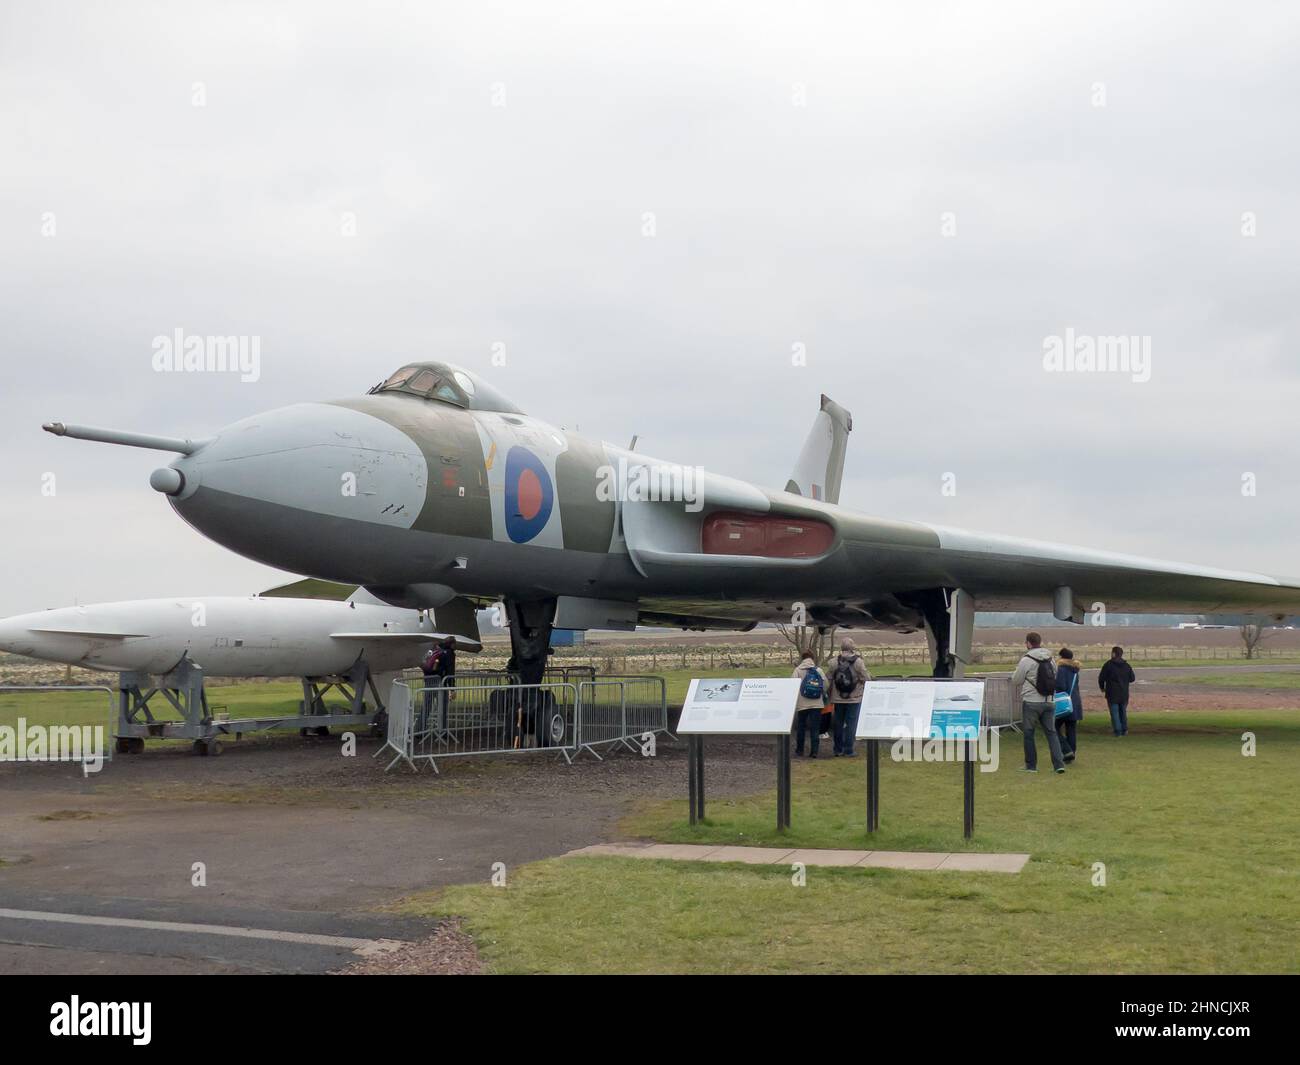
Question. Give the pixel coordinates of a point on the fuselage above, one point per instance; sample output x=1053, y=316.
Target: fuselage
x=393, y=490
x=435, y=485
x=390, y=490
x=229, y=637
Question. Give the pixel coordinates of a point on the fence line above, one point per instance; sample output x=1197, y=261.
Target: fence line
x=489, y=713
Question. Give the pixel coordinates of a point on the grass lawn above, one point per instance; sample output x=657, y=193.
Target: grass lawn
x=1201, y=847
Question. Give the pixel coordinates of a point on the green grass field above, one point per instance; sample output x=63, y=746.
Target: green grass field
x=1201, y=847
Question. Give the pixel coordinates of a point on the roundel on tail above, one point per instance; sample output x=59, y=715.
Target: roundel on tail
x=529, y=495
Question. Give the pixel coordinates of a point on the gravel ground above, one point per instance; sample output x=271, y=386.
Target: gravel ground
x=448, y=952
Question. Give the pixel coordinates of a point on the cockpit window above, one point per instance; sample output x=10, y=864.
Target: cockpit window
x=402, y=375
x=447, y=384
x=423, y=382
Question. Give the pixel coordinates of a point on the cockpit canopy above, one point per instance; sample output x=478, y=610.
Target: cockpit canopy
x=446, y=383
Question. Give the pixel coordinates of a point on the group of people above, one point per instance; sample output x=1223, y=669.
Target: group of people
x=1037, y=680
x=1040, y=681
x=841, y=688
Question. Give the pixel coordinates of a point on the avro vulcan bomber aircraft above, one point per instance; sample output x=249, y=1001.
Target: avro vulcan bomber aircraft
x=434, y=491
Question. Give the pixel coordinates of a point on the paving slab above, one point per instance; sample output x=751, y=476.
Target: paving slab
x=915, y=860
x=827, y=857
x=904, y=859
x=688, y=852
x=751, y=855
x=985, y=863
x=619, y=849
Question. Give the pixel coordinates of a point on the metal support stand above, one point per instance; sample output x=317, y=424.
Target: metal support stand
x=873, y=785
x=184, y=690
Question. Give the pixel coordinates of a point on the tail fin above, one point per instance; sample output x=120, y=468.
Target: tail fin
x=820, y=468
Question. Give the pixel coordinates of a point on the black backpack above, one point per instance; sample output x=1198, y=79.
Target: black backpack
x=844, y=679
x=1045, y=677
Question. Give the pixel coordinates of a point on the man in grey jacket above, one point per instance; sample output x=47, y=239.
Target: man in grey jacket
x=1036, y=708
x=848, y=676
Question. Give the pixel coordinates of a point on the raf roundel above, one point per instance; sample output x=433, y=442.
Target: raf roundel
x=529, y=495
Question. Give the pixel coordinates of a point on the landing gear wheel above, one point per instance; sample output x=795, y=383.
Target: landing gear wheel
x=322, y=730
x=207, y=748
x=129, y=745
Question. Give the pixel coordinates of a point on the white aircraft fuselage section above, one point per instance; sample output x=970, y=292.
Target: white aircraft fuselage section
x=229, y=637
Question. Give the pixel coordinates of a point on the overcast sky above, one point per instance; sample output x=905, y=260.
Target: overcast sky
x=919, y=194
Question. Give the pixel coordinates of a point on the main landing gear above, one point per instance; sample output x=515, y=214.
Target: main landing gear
x=530, y=637
x=949, y=615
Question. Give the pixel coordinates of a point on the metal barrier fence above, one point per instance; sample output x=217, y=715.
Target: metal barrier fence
x=481, y=714
x=398, y=737
x=489, y=713
x=66, y=735
x=614, y=710
x=1001, y=706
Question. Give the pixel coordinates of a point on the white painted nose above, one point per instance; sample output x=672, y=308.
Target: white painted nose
x=16, y=636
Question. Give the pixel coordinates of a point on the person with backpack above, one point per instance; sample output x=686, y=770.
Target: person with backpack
x=814, y=691
x=1067, y=682
x=439, y=669
x=1114, y=679
x=1035, y=680
x=849, y=677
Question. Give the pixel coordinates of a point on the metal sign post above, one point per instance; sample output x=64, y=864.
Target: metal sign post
x=919, y=712
x=782, y=782
x=968, y=790
x=873, y=785
x=695, y=776
x=731, y=706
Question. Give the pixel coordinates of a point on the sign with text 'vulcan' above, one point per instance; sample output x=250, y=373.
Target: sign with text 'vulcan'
x=753, y=706
x=921, y=709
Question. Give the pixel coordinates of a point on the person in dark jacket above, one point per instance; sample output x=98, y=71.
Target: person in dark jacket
x=439, y=668
x=1114, y=679
x=1067, y=680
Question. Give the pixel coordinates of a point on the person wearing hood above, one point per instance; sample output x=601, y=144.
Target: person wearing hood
x=1115, y=677
x=1067, y=680
x=814, y=691
x=1035, y=680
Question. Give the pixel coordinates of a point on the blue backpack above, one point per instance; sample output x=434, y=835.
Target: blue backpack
x=814, y=684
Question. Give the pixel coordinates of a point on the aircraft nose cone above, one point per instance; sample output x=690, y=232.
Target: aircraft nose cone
x=16, y=637
x=168, y=480
x=288, y=486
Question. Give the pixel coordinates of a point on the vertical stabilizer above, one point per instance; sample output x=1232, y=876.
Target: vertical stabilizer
x=820, y=468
